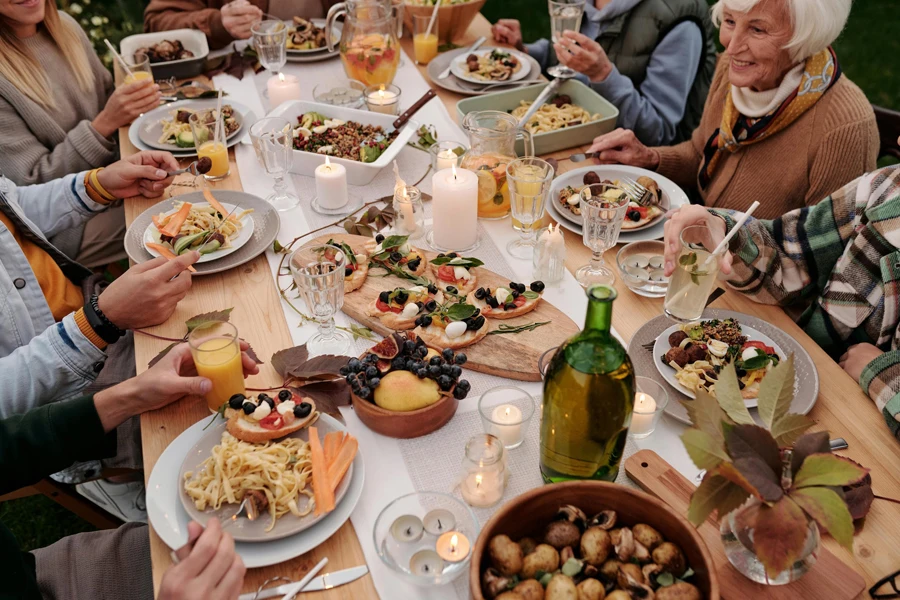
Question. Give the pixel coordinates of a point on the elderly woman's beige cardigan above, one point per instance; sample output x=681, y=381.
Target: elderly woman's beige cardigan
x=830, y=145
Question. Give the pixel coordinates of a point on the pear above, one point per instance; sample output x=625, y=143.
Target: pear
x=402, y=391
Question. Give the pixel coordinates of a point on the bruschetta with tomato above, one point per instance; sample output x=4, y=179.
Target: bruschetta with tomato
x=400, y=307
x=455, y=271
x=262, y=418
x=395, y=252
x=506, y=302
x=357, y=267
x=452, y=325
x=638, y=216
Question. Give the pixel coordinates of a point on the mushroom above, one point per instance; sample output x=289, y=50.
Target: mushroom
x=527, y=545
x=560, y=534
x=647, y=536
x=565, y=554
x=605, y=519
x=561, y=587
x=591, y=589
x=506, y=555
x=618, y=595
x=595, y=546
x=629, y=571
x=650, y=572
x=625, y=546
x=510, y=595
x=679, y=590
x=634, y=586
x=493, y=583
x=573, y=514
x=544, y=558
x=530, y=589
x=669, y=556
x=641, y=554
x=610, y=569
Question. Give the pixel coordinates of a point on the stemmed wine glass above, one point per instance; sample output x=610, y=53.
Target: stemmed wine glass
x=318, y=271
x=270, y=40
x=273, y=143
x=603, y=209
x=564, y=15
x=529, y=185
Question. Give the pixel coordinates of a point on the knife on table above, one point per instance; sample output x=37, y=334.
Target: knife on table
x=446, y=72
x=322, y=582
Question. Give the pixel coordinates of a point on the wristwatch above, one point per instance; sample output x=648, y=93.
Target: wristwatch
x=106, y=329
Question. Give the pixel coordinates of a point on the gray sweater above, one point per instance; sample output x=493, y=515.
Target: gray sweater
x=40, y=144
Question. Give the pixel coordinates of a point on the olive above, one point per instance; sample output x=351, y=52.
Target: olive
x=452, y=290
x=426, y=321
x=285, y=395
x=422, y=373
x=509, y=306
x=513, y=285
x=302, y=410
x=348, y=271
x=409, y=347
x=262, y=396
x=434, y=371
x=452, y=255
x=435, y=360
x=537, y=286
x=431, y=306
x=379, y=238
x=444, y=382
x=440, y=255
x=418, y=321
x=373, y=383
x=236, y=401
x=479, y=293
x=492, y=302
x=461, y=358
x=396, y=257
x=385, y=296
x=401, y=296
x=447, y=353
x=479, y=323
x=432, y=289
x=514, y=293
x=414, y=264
x=470, y=324
x=371, y=371
x=249, y=407
x=634, y=215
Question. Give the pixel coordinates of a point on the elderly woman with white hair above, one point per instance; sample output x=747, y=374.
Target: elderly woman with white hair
x=780, y=118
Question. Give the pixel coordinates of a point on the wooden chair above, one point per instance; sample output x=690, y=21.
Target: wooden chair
x=888, y=130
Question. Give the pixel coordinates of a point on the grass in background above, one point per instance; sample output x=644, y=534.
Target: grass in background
x=38, y=521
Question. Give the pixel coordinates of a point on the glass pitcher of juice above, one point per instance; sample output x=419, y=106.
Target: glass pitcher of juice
x=492, y=145
x=369, y=48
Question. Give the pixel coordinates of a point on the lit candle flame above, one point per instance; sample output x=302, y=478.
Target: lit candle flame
x=327, y=163
x=281, y=77
x=507, y=411
x=453, y=542
x=478, y=481
x=453, y=166
x=381, y=91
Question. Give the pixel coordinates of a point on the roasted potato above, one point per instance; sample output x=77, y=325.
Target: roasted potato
x=506, y=555
x=595, y=546
x=544, y=558
x=591, y=589
x=561, y=587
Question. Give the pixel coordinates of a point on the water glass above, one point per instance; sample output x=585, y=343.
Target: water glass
x=409, y=212
x=446, y=155
x=565, y=15
x=341, y=92
x=273, y=143
x=425, y=41
x=603, y=208
x=694, y=277
x=270, y=41
x=216, y=350
x=506, y=411
x=529, y=186
x=318, y=272
x=138, y=70
x=650, y=401
x=210, y=142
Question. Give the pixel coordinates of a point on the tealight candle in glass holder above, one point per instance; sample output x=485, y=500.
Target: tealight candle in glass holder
x=384, y=99
x=505, y=413
x=409, y=212
x=549, y=259
x=446, y=154
x=650, y=400
x=484, y=475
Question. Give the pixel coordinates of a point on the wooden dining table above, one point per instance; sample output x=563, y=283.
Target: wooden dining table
x=842, y=408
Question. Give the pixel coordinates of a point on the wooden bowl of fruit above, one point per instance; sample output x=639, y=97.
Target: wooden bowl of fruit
x=590, y=540
x=403, y=389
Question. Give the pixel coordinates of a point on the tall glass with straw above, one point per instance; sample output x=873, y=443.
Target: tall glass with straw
x=209, y=140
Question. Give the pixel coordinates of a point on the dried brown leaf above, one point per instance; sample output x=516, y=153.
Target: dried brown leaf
x=715, y=494
x=328, y=395
x=206, y=318
x=754, y=476
x=284, y=360
x=780, y=535
x=160, y=356
x=811, y=443
x=752, y=441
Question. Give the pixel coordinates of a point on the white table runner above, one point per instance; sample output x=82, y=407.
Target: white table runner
x=431, y=463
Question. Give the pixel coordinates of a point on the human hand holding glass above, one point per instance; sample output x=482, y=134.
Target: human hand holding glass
x=565, y=15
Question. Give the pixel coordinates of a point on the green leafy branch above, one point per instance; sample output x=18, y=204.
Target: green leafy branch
x=505, y=328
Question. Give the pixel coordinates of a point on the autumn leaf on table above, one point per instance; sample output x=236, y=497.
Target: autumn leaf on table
x=328, y=395
x=715, y=493
x=728, y=392
x=779, y=535
x=200, y=320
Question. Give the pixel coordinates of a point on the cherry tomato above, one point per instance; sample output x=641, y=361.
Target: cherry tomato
x=385, y=308
x=272, y=421
x=446, y=273
x=520, y=301
x=759, y=346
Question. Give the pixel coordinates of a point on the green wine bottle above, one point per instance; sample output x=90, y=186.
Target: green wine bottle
x=588, y=399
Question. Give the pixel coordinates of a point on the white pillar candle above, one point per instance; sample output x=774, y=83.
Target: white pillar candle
x=506, y=424
x=282, y=88
x=446, y=159
x=642, y=417
x=455, y=208
x=331, y=185
x=382, y=101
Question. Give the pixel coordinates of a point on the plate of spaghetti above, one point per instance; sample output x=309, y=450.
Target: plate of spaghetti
x=213, y=228
x=220, y=471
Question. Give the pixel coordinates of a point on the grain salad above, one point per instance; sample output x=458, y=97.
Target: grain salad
x=342, y=139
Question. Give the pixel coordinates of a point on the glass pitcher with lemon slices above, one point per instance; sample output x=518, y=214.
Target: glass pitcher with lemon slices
x=492, y=141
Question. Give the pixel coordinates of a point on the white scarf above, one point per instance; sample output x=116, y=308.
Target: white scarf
x=755, y=104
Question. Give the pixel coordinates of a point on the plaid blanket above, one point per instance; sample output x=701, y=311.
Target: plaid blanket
x=842, y=257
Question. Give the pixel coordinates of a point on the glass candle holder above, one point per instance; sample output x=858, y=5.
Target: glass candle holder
x=549, y=259
x=650, y=401
x=425, y=538
x=505, y=413
x=409, y=212
x=341, y=92
x=446, y=155
x=384, y=99
x=484, y=475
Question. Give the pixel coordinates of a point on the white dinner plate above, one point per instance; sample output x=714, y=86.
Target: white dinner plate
x=151, y=235
x=459, y=69
x=169, y=519
x=152, y=129
x=673, y=194
x=662, y=346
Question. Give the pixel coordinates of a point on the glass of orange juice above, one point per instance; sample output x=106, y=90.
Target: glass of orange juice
x=138, y=70
x=216, y=349
x=425, y=42
x=208, y=129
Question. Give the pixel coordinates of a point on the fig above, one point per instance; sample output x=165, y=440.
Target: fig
x=387, y=348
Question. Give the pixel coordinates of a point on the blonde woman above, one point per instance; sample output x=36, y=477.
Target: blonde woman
x=58, y=109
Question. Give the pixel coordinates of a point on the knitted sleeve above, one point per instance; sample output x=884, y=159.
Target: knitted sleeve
x=165, y=15
x=844, y=154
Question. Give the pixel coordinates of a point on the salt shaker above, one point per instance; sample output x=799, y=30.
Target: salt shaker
x=549, y=255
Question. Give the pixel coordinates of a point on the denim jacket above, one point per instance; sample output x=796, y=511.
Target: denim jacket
x=40, y=360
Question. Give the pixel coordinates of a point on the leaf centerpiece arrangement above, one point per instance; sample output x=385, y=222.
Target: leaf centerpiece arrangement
x=792, y=477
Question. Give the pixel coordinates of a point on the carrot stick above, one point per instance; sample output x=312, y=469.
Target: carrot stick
x=217, y=205
x=322, y=491
x=173, y=227
x=166, y=253
x=342, y=462
x=332, y=444
x=161, y=222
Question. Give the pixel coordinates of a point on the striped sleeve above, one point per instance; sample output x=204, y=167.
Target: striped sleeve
x=881, y=381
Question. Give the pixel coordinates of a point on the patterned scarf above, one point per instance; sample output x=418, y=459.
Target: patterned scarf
x=821, y=72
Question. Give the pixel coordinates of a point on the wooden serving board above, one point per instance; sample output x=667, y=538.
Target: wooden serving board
x=829, y=578
x=509, y=355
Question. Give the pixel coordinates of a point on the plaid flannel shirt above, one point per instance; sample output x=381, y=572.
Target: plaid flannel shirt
x=842, y=256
